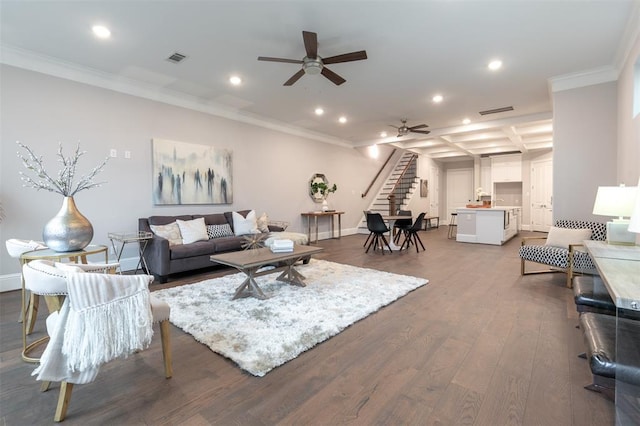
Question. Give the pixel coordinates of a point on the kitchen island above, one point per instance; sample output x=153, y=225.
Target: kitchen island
x=493, y=225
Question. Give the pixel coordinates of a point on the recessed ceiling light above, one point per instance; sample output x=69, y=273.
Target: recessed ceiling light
x=319, y=111
x=466, y=121
x=437, y=98
x=383, y=134
x=495, y=65
x=101, y=31
x=342, y=119
x=235, y=80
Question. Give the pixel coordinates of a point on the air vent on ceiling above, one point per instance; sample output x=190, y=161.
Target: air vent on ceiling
x=495, y=111
x=176, y=57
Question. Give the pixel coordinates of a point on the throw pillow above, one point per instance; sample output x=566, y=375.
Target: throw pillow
x=562, y=237
x=193, y=230
x=263, y=223
x=245, y=225
x=218, y=231
x=170, y=231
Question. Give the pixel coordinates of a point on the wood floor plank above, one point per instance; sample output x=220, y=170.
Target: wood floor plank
x=479, y=345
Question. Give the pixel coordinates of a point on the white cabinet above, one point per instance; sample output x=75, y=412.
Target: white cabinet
x=487, y=226
x=507, y=168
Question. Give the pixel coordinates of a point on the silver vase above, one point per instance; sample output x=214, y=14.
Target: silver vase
x=69, y=230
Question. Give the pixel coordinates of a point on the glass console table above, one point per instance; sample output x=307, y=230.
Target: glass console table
x=619, y=268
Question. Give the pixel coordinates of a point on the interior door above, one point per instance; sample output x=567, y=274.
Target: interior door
x=459, y=189
x=541, y=195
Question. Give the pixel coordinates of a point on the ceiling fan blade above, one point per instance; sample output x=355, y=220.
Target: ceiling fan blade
x=294, y=78
x=424, y=132
x=337, y=80
x=310, y=44
x=347, y=57
x=419, y=126
x=290, y=61
x=396, y=127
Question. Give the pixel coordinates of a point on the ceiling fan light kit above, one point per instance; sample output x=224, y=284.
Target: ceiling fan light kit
x=404, y=129
x=313, y=64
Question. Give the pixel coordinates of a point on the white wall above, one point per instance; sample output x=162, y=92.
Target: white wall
x=628, y=125
x=271, y=170
x=584, y=148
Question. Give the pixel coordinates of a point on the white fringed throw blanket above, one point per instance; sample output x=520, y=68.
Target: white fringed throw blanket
x=104, y=317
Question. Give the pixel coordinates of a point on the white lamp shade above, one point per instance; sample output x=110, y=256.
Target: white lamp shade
x=634, y=223
x=616, y=201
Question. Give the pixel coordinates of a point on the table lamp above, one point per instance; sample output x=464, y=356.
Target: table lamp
x=617, y=201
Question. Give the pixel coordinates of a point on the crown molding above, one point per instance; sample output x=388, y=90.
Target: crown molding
x=583, y=78
x=43, y=64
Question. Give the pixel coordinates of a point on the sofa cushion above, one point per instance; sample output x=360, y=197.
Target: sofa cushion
x=165, y=220
x=213, y=219
x=199, y=248
x=192, y=230
x=170, y=231
x=219, y=231
x=227, y=244
x=245, y=225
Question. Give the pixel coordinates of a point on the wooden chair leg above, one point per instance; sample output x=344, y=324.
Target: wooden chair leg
x=44, y=386
x=32, y=312
x=63, y=401
x=166, y=348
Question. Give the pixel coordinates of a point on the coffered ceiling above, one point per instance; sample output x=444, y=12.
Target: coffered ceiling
x=415, y=49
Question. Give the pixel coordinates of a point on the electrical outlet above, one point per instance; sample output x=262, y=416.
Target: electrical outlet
x=127, y=154
x=113, y=153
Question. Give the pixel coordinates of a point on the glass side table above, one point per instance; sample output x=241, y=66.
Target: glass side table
x=140, y=237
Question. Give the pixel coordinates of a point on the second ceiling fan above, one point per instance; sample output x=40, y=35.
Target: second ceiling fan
x=404, y=129
x=314, y=64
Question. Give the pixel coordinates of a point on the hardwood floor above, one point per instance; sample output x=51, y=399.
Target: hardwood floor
x=478, y=345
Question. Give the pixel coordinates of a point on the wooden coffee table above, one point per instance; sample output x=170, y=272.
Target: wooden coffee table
x=250, y=261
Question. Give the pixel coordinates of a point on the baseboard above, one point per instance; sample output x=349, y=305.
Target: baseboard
x=10, y=282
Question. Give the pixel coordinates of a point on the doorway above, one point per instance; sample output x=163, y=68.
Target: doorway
x=459, y=189
x=541, y=195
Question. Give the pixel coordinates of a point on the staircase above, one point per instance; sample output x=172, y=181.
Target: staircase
x=401, y=183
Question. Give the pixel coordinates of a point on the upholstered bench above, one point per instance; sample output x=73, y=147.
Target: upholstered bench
x=591, y=295
x=296, y=237
x=600, y=333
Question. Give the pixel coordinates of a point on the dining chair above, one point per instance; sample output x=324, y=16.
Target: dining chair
x=366, y=212
x=401, y=225
x=378, y=228
x=411, y=234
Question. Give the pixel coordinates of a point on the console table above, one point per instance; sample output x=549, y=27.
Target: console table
x=619, y=268
x=330, y=215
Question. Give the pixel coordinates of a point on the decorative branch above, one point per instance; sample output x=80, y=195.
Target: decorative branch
x=64, y=183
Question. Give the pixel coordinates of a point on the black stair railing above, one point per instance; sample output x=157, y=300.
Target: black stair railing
x=404, y=184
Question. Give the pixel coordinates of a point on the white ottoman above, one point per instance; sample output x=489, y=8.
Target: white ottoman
x=296, y=237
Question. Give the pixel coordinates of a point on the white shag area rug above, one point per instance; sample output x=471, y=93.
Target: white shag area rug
x=260, y=335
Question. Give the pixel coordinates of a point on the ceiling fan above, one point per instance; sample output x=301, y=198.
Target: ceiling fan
x=404, y=129
x=314, y=64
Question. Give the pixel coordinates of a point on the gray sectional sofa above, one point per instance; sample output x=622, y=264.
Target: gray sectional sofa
x=164, y=259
